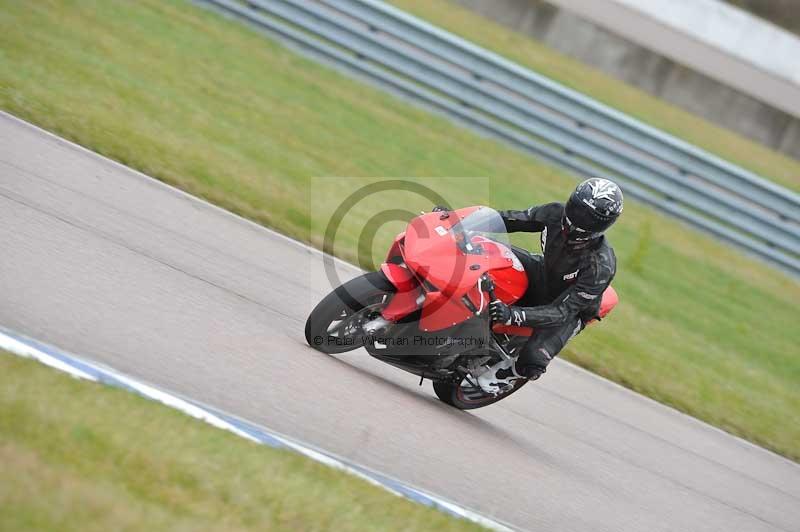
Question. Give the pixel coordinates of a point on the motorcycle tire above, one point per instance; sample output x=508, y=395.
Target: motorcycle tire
x=464, y=396
x=347, y=302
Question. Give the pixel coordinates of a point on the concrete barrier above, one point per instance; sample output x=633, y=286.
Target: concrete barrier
x=693, y=67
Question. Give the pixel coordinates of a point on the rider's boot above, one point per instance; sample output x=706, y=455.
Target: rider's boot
x=499, y=377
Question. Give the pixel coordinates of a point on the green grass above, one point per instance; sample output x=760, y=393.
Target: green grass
x=527, y=51
x=218, y=110
x=81, y=456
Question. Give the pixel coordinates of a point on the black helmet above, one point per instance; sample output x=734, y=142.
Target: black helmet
x=591, y=209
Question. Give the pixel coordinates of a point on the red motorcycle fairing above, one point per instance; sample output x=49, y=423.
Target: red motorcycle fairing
x=405, y=300
x=608, y=301
x=396, y=251
x=399, y=276
x=435, y=261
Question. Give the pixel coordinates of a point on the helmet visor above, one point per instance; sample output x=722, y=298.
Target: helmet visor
x=576, y=233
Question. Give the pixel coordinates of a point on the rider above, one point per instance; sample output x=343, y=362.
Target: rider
x=566, y=282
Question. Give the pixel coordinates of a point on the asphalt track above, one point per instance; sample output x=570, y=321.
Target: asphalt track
x=120, y=269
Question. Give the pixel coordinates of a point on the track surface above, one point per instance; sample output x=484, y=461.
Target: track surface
x=118, y=268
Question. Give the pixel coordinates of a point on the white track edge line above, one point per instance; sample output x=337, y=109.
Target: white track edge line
x=18, y=346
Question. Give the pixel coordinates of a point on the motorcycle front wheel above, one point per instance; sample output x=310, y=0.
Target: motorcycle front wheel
x=467, y=395
x=336, y=323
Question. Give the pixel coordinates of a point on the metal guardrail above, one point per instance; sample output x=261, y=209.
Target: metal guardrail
x=499, y=98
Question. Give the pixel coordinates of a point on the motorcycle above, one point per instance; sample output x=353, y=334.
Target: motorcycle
x=426, y=309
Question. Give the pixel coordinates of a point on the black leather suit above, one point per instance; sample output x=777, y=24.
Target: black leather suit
x=565, y=284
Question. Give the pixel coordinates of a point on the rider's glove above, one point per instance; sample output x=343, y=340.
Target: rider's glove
x=440, y=208
x=502, y=313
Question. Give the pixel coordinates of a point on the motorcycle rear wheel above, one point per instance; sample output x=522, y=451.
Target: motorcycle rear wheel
x=466, y=395
x=334, y=326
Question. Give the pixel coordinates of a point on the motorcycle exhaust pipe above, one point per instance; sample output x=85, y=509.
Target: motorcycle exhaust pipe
x=376, y=325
